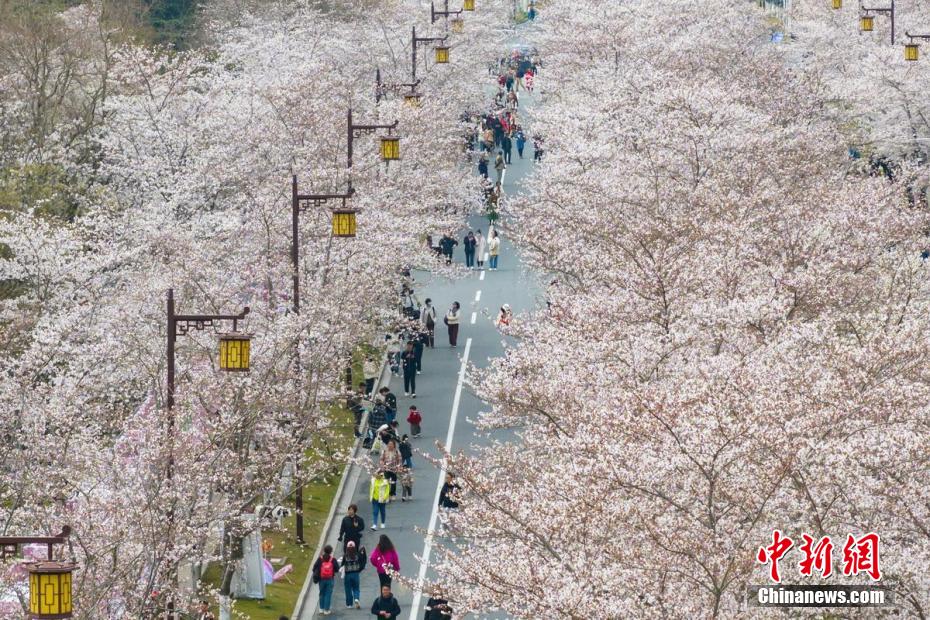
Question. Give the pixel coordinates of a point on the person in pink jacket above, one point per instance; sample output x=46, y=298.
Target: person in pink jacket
x=384, y=558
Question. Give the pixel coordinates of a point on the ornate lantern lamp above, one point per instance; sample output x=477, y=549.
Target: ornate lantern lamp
x=49, y=580
x=912, y=48
x=468, y=5
x=234, y=352
x=442, y=54
x=412, y=99
x=866, y=23
x=49, y=590
x=390, y=148
x=458, y=25
x=344, y=222
x=837, y=4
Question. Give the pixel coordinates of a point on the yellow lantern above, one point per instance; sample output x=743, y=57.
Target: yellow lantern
x=344, y=223
x=49, y=590
x=911, y=51
x=390, y=148
x=234, y=352
x=866, y=23
x=469, y=5
x=837, y=4
x=458, y=25
x=412, y=99
x=442, y=54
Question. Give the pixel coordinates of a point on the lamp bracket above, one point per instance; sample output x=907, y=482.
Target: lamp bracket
x=9, y=545
x=306, y=201
x=922, y=37
x=198, y=322
x=363, y=130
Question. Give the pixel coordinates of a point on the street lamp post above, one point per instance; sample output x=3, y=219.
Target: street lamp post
x=866, y=20
x=414, y=42
x=234, y=356
x=50, y=595
x=300, y=203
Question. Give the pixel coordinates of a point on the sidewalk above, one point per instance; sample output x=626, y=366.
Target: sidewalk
x=444, y=416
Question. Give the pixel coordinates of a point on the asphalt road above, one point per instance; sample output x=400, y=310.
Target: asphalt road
x=438, y=392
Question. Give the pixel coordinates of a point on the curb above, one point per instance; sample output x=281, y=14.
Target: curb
x=309, y=591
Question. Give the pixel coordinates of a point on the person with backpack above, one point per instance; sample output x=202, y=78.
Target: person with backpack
x=353, y=563
x=379, y=494
x=352, y=527
x=428, y=316
x=386, y=606
x=414, y=419
x=384, y=558
x=324, y=574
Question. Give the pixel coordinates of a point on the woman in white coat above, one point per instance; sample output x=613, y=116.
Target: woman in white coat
x=481, y=246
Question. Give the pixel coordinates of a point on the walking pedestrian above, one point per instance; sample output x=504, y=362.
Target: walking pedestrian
x=390, y=463
x=483, y=165
x=494, y=247
x=528, y=80
x=406, y=483
x=384, y=558
x=469, y=244
x=537, y=148
x=371, y=369
x=508, y=82
x=353, y=563
x=409, y=361
x=389, y=401
x=419, y=341
x=448, y=244
x=481, y=247
x=520, y=139
x=414, y=418
x=352, y=527
x=324, y=574
x=386, y=606
x=406, y=452
x=379, y=495
x=513, y=101
x=452, y=322
x=449, y=493
x=499, y=166
x=507, y=148
x=428, y=316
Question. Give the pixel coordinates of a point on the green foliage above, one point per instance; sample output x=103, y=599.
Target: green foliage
x=172, y=20
x=46, y=186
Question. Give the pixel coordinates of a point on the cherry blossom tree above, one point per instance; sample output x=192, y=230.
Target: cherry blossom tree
x=735, y=342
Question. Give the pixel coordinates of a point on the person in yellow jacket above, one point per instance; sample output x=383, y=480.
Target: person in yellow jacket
x=379, y=495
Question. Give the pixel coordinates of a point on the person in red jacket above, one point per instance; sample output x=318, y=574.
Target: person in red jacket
x=414, y=419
